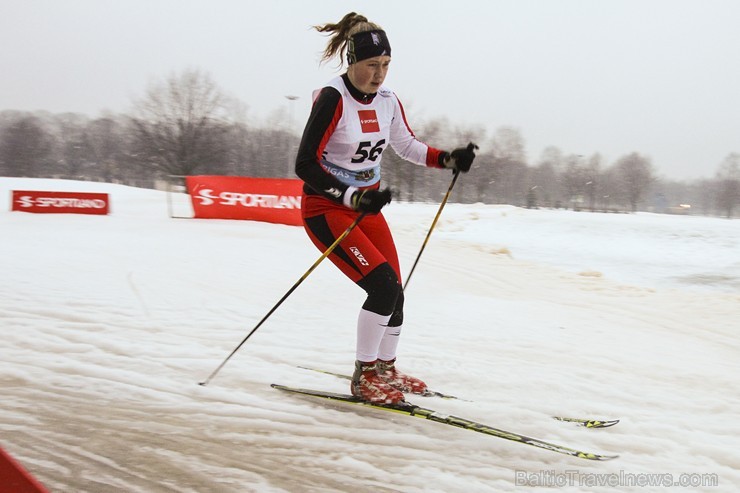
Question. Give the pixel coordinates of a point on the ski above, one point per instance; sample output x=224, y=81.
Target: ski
x=588, y=423
x=585, y=422
x=420, y=412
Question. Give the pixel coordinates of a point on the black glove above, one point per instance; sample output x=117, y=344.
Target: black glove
x=370, y=200
x=462, y=158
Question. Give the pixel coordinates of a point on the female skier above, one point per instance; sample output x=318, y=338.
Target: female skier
x=353, y=119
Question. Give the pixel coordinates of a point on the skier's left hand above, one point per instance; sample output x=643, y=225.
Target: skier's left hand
x=461, y=158
x=370, y=200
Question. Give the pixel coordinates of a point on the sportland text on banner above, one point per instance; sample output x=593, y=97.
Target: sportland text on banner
x=60, y=202
x=273, y=200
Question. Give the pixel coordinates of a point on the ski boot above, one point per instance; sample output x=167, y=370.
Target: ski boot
x=369, y=386
x=405, y=383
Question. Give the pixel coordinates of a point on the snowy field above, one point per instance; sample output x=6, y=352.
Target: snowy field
x=108, y=323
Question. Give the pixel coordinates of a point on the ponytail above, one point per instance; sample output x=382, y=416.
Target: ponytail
x=340, y=34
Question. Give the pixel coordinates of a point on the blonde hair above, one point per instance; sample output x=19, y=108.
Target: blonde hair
x=341, y=32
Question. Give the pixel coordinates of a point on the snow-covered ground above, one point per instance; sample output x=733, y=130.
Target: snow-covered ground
x=108, y=323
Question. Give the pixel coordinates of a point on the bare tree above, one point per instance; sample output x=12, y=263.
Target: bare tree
x=592, y=173
x=704, y=193
x=540, y=190
x=581, y=180
x=105, y=146
x=635, y=175
x=573, y=179
x=180, y=125
x=545, y=182
x=71, y=143
x=507, y=173
x=728, y=177
x=24, y=147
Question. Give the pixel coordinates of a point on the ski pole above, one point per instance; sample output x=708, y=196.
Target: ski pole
x=441, y=206
x=288, y=293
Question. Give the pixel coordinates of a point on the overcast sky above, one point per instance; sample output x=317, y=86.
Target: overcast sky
x=659, y=77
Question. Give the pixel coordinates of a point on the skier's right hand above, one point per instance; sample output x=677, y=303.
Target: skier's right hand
x=370, y=200
x=461, y=159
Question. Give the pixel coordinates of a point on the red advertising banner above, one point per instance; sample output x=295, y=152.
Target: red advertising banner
x=14, y=478
x=60, y=202
x=272, y=200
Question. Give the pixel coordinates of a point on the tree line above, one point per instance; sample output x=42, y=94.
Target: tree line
x=186, y=125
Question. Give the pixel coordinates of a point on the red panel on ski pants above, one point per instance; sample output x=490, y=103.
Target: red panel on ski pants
x=369, y=245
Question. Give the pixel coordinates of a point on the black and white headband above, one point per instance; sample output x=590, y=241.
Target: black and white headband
x=367, y=44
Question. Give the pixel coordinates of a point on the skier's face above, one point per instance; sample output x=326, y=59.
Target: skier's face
x=368, y=75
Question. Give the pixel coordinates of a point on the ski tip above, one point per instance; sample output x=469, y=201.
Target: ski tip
x=600, y=423
x=592, y=456
x=602, y=457
x=588, y=423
